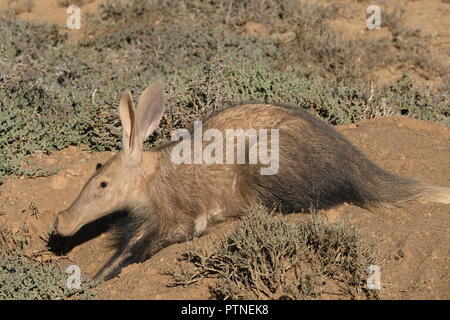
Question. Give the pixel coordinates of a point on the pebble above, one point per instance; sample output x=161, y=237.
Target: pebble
x=59, y=182
x=283, y=37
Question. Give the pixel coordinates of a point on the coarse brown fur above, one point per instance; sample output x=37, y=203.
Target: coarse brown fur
x=318, y=167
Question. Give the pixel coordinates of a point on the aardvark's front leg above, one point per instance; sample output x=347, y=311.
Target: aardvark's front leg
x=138, y=249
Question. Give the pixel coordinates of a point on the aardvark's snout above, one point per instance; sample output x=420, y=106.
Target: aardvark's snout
x=66, y=225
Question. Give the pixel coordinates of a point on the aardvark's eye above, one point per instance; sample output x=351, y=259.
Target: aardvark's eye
x=103, y=184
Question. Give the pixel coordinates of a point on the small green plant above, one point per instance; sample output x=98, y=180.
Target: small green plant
x=270, y=258
x=24, y=276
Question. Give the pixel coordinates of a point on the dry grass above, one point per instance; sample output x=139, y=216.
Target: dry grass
x=27, y=275
x=267, y=257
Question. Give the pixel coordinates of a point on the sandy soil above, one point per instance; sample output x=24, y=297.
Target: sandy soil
x=50, y=11
x=414, y=246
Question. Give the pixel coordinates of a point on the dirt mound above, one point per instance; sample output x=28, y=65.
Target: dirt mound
x=413, y=240
x=49, y=11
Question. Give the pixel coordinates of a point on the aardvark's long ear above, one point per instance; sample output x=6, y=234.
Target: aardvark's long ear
x=150, y=110
x=128, y=119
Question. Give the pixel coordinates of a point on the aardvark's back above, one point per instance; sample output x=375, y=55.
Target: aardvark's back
x=317, y=165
